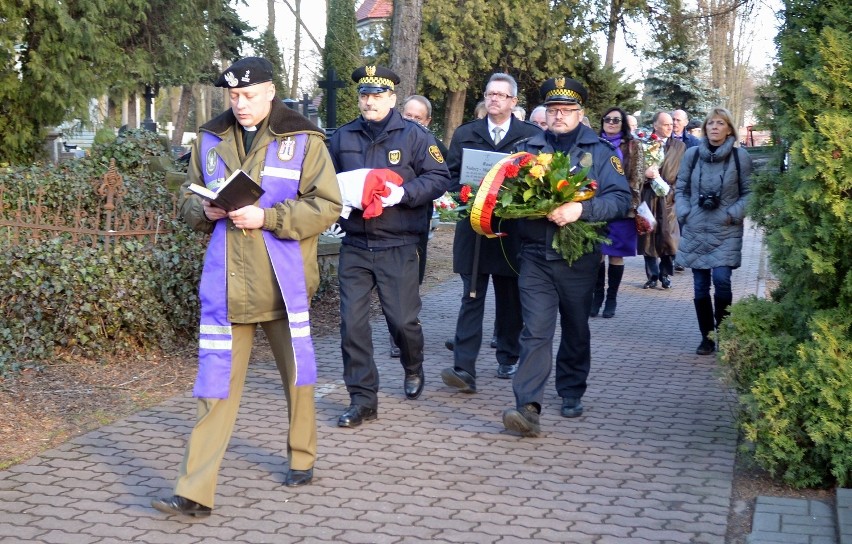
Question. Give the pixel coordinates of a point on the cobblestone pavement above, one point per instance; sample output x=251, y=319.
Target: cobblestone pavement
x=650, y=461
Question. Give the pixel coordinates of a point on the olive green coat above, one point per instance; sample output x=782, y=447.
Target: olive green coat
x=253, y=293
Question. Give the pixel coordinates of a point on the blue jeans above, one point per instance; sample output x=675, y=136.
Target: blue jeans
x=721, y=277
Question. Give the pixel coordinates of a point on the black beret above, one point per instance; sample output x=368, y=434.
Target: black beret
x=246, y=72
x=563, y=90
x=374, y=79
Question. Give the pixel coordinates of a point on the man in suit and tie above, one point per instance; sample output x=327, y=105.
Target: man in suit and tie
x=476, y=257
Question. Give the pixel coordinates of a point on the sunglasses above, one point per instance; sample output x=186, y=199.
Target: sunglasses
x=612, y=120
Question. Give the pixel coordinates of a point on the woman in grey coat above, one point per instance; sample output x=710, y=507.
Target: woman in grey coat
x=710, y=202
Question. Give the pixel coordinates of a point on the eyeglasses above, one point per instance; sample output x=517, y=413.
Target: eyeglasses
x=497, y=96
x=612, y=120
x=564, y=112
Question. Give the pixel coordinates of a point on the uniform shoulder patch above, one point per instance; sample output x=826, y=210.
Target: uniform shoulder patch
x=436, y=154
x=616, y=164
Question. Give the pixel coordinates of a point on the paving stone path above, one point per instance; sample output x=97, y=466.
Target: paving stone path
x=650, y=461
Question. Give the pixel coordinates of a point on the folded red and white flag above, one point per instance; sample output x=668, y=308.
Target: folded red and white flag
x=364, y=188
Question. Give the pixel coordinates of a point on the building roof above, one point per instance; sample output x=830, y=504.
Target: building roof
x=374, y=9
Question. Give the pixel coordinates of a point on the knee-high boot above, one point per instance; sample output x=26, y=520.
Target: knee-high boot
x=598, y=296
x=616, y=272
x=721, y=304
x=706, y=324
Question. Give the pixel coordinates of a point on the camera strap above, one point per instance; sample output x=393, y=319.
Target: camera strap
x=734, y=152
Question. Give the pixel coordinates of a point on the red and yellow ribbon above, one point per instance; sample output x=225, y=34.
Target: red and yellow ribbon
x=486, y=196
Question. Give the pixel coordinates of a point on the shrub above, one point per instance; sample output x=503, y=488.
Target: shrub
x=799, y=415
x=63, y=297
x=789, y=358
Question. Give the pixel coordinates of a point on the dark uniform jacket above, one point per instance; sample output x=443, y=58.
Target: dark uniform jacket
x=611, y=201
x=408, y=149
x=497, y=255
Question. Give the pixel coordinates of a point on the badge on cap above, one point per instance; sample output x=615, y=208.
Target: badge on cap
x=394, y=156
x=231, y=79
x=371, y=71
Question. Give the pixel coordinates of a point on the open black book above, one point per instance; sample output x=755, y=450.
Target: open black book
x=238, y=190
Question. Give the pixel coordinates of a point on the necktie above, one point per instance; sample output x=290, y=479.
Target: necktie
x=497, y=138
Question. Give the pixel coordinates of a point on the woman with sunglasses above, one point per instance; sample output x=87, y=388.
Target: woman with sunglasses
x=622, y=232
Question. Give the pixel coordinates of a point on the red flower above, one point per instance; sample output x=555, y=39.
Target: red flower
x=490, y=201
x=512, y=170
x=640, y=134
x=654, y=137
x=464, y=195
x=525, y=160
x=593, y=185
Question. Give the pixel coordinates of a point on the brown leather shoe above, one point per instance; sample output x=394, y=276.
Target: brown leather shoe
x=180, y=505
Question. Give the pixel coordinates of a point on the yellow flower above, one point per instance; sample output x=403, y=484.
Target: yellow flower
x=544, y=159
x=537, y=171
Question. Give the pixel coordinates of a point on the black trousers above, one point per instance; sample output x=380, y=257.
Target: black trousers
x=548, y=287
x=393, y=273
x=508, y=321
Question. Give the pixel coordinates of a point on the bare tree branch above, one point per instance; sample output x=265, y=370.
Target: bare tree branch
x=302, y=23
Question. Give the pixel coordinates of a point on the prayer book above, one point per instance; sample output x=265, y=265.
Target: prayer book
x=238, y=190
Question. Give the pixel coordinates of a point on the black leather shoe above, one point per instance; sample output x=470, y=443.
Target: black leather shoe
x=650, y=284
x=180, y=505
x=450, y=343
x=295, y=478
x=666, y=282
x=571, y=407
x=394, y=352
x=679, y=268
x=356, y=415
x=493, y=342
x=506, y=371
x=459, y=379
x=706, y=347
x=413, y=384
x=523, y=420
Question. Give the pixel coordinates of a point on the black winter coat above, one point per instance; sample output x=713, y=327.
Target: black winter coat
x=498, y=256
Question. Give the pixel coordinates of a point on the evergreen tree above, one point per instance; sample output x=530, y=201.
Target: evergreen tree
x=54, y=58
x=677, y=81
x=342, y=52
x=797, y=396
x=458, y=52
x=267, y=47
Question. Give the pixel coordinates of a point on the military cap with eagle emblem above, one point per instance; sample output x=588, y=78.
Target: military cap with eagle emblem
x=374, y=79
x=245, y=73
x=563, y=90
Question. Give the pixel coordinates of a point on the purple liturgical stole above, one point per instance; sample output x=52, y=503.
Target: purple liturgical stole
x=280, y=179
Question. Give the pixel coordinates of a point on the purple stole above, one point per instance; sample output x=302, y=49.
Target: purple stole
x=280, y=179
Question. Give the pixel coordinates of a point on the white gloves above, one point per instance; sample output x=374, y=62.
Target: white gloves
x=395, y=196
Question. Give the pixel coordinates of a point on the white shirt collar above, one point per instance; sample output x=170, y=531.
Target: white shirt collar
x=504, y=126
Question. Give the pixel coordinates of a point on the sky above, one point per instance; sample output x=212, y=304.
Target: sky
x=763, y=26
